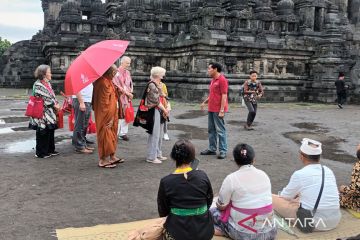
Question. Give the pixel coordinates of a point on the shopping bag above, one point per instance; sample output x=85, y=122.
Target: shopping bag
x=60, y=119
x=71, y=121
x=67, y=105
x=129, y=113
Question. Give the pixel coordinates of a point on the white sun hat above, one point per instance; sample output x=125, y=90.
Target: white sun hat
x=310, y=147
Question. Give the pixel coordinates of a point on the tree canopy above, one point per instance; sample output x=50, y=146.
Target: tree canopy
x=4, y=44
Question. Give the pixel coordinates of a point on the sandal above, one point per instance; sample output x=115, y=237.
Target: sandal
x=117, y=160
x=84, y=151
x=109, y=165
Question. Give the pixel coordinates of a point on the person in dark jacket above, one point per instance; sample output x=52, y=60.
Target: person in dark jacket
x=184, y=197
x=341, y=90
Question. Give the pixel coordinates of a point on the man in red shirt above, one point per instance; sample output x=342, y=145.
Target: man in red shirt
x=217, y=106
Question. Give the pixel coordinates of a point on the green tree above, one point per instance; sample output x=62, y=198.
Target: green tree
x=4, y=44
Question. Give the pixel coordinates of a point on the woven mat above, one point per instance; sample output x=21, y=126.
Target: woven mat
x=349, y=226
x=354, y=213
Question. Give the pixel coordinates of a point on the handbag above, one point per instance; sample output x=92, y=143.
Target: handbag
x=305, y=221
x=153, y=231
x=35, y=107
x=145, y=115
x=129, y=113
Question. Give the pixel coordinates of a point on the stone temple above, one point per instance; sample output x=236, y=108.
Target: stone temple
x=297, y=46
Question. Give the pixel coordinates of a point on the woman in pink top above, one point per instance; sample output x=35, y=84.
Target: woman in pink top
x=244, y=207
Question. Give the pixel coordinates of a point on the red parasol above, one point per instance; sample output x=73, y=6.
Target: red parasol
x=92, y=64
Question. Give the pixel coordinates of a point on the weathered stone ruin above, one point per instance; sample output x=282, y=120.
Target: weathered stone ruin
x=297, y=46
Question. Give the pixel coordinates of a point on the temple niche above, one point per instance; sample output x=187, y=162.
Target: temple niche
x=297, y=45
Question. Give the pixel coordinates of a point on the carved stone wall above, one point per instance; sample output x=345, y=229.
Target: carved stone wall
x=298, y=47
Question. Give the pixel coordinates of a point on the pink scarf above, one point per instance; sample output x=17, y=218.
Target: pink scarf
x=253, y=212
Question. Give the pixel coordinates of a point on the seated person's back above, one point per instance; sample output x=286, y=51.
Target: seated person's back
x=244, y=207
x=185, y=197
x=304, y=188
x=308, y=182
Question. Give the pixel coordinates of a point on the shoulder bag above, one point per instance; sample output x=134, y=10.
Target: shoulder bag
x=35, y=107
x=305, y=221
x=145, y=115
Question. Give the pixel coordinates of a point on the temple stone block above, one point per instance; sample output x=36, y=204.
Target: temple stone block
x=298, y=47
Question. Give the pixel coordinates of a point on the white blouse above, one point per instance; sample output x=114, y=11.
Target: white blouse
x=248, y=188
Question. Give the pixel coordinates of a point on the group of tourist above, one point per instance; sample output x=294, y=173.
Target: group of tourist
x=110, y=96
x=243, y=211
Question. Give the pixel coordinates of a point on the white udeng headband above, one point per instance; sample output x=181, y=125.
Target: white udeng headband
x=310, y=147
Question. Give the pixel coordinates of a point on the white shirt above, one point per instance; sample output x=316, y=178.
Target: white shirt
x=248, y=188
x=86, y=93
x=306, y=182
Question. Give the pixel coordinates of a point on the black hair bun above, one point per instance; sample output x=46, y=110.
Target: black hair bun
x=180, y=151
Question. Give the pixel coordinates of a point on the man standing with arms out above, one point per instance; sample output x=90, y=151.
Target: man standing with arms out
x=82, y=111
x=217, y=106
x=340, y=90
x=313, y=186
x=125, y=87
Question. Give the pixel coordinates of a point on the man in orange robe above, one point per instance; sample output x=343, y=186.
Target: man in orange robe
x=106, y=117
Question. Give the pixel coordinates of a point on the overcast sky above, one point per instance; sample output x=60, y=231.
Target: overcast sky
x=20, y=19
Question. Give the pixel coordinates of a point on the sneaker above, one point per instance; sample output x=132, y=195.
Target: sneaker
x=161, y=158
x=221, y=156
x=46, y=156
x=340, y=106
x=207, y=152
x=247, y=127
x=166, y=137
x=55, y=153
x=155, y=161
x=124, y=137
